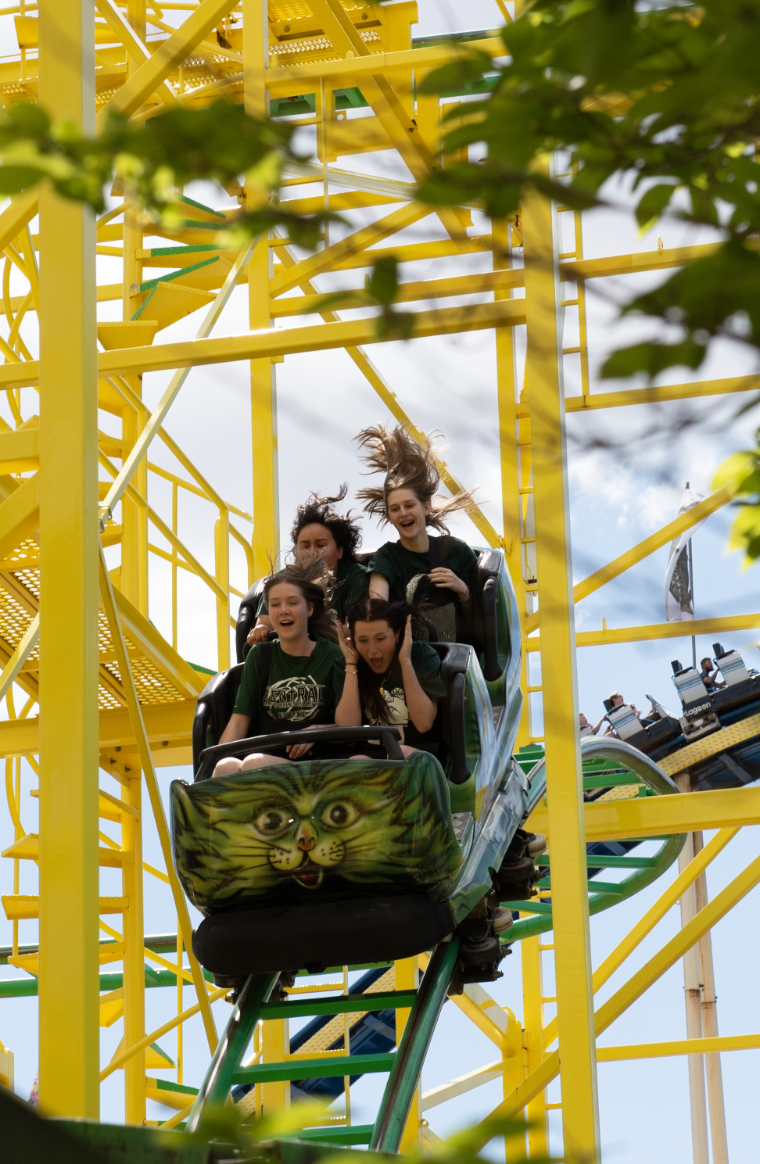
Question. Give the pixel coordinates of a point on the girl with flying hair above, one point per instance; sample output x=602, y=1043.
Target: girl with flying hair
x=287, y=685
x=433, y=573
x=321, y=531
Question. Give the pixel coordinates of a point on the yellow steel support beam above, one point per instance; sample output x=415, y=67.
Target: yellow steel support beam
x=266, y=510
x=655, y=816
x=19, y=515
x=150, y=76
x=678, y=1047
x=153, y=425
x=134, y=45
x=16, y=216
x=662, y=393
x=640, y=982
x=394, y=406
x=563, y=759
x=651, y=918
x=286, y=342
x=648, y=546
x=133, y=579
x=146, y=759
x=287, y=80
x=68, y=732
x=360, y=240
x=610, y=636
x=506, y=388
x=168, y=725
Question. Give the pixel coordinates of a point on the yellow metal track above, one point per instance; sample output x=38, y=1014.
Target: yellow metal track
x=89, y=682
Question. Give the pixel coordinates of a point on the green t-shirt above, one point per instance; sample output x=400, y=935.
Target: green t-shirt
x=299, y=691
x=427, y=667
x=399, y=565
x=351, y=583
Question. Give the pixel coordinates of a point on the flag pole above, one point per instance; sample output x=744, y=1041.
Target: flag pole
x=691, y=577
x=693, y=612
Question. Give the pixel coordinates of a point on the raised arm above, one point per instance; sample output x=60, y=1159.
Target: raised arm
x=348, y=713
x=260, y=632
x=422, y=709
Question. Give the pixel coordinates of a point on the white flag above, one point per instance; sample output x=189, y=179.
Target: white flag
x=679, y=590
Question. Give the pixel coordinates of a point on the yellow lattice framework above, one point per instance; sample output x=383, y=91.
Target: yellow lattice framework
x=76, y=639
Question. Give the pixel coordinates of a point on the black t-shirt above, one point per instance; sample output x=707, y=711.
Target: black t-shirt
x=427, y=668
x=299, y=691
x=351, y=583
x=400, y=565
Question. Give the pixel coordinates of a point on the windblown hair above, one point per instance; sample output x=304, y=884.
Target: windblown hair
x=406, y=465
x=320, y=510
x=314, y=583
x=378, y=610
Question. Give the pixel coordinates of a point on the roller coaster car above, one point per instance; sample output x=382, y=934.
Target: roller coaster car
x=705, y=712
x=321, y=863
x=486, y=626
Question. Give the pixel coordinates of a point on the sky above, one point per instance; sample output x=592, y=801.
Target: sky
x=626, y=472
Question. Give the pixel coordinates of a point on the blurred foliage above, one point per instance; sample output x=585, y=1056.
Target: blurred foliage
x=255, y=1141
x=743, y=471
x=152, y=161
x=665, y=95
x=665, y=99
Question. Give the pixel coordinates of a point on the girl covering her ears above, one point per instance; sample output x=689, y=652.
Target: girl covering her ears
x=435, y=573
x=298, y=691
x=320, y=531
x=384, y=677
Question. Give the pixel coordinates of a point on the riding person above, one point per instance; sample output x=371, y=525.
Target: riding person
x=709, y=676
x=384, y=677
x=587, y=728
x=287, y=685
x=434, y=573
x=320, y=531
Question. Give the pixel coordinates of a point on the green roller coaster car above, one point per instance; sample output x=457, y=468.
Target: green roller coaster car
x=329, y=862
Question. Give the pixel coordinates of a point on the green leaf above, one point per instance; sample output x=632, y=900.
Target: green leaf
x=652, y=205
x=457, y=74
x=14, y=179
x=652, y=358
x=383, y=281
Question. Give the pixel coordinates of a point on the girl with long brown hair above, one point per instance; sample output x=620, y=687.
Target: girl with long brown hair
x=287, y=685
x=432, y=572
x=389, y=678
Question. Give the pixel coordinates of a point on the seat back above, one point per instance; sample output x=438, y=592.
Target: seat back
x=460, y=731
x=246, y=619
x=489, y=629
x=624, y=720
x=213, y=710
x=688, y=683
x=732, y=665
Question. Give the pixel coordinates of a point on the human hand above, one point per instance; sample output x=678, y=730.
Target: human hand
x=347, y=647
x=259, y=634
x=441, y=577
x=298, y=751
x=405, y=654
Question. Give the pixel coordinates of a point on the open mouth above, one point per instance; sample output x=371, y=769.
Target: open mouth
x=407, y=523
x=308, y=875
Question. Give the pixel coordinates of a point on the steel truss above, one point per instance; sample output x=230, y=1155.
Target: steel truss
x=78, y=630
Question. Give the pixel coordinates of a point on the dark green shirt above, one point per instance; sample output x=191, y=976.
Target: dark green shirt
x=427, y=667
x=351, y=583
x=299, y=691
x=399, y=565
